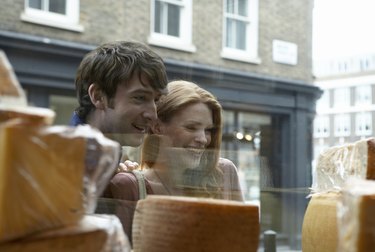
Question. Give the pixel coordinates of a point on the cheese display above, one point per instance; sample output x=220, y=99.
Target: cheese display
x=94, y=233
x=356, y=222
x=334, y=167
x=336, y=164
x=170, y=223
x=50, y=176
x=319, y=229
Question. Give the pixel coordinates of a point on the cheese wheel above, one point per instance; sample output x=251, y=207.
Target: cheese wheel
x=94, y=233
x=356, y=216
x=319, y=229
x=42, y=171
x=166, y=223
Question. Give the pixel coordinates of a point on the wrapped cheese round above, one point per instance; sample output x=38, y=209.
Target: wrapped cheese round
x=170, y=223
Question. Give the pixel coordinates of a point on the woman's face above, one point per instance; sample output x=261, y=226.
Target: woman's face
x=189, y=133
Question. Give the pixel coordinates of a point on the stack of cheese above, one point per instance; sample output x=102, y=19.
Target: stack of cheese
x=50, y=177
x=334, y=167
x=169, y=224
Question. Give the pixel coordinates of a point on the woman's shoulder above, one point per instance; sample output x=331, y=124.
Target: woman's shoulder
x=226, y=165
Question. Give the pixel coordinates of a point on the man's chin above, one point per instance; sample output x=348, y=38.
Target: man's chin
x=133, y=140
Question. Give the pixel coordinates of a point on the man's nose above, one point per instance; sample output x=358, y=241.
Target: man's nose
x=150, y=112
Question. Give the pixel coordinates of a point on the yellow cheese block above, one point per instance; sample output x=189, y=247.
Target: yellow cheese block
x=356, y=216
x=41, y=178
x=166, y=224
x=319, y=229
x=94, y=233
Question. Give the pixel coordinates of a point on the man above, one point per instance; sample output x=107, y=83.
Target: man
x=117, y=86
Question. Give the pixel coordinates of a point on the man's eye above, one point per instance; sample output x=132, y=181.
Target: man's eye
x=140, y=98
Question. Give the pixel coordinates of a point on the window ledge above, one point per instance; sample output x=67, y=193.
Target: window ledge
x=240, y=57
x=172, y=44
x=46, y=22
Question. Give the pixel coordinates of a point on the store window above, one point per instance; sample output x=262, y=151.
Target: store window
x=363, y=124
x=62, y=14
x=240, y=30
x=171, y=22
x=63, y=107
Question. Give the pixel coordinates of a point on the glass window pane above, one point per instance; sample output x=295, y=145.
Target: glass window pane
x=229, y=37
x=36, y=4
x=230, y=6
x=242, y=8
x=158, y=16
x=173, y=20
x=241, y=35
x=57, y=6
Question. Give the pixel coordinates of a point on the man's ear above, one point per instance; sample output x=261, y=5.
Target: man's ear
x=97, y=97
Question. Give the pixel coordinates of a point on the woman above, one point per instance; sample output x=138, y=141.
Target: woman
x=181, y=155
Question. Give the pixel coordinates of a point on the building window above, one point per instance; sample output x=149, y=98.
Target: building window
x=363, y=95
x=171, y=22
x=321, y=126
x=342, y=125
x=342, y=97
x=363, y=122
x=240, y=34
x=62, y=14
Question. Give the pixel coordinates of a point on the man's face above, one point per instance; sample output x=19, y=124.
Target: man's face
x=132, y=112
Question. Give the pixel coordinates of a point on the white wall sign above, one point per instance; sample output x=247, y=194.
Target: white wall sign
x=284, y=52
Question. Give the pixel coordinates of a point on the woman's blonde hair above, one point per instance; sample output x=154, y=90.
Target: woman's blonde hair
x=180, y=95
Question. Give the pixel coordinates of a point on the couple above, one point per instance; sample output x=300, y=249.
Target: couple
x=122, y=90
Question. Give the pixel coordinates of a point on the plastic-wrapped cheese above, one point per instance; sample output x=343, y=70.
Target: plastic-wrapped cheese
x=334, y=167
x=94, y=233
x=166, y=224
x=356, y=222
x=48, y=175
x=336, y=164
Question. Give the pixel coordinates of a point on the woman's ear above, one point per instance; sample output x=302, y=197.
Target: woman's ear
x=97, y=97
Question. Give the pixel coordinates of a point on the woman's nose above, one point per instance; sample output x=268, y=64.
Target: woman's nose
x=202, y=137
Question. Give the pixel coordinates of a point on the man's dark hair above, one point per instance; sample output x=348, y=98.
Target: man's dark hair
x=112, y=64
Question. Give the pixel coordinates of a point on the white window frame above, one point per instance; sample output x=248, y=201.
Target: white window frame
x=342, y=125
x=69, y=21
x=321, y=126
x=363, y=95
x=361, y=121
x=250, y=54
x=341, y=97
x=184, y=41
